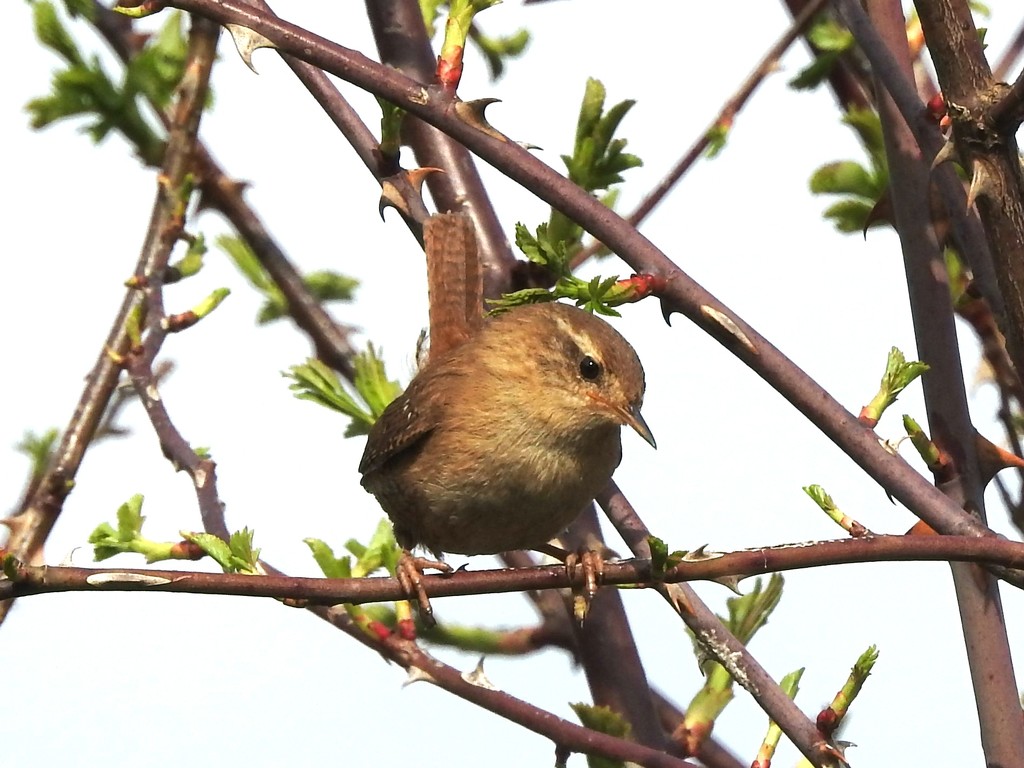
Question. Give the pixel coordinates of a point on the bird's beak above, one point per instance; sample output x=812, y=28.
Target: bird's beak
x=631, y=415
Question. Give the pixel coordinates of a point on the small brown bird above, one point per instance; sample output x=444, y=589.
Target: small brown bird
x=498, y=444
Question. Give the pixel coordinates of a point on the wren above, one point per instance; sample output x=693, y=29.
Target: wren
x=499, y=443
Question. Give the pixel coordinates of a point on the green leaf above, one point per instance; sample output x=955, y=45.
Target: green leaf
x=213, y=546
x=868, y=127
x=372, y=383
x=39, y=449
x=750, y=612
x=829, y=40
x=324, y=285
x=246, y=262
x=603, y=720
x=659, y=556
x=243, y=557
x=815, y=73
x=845, y=177
x=211, y=302
x=828, y=35
x=790, y=684
x=430, y=10
x=105, y=542
x=543, y=249
x=716, y=138
x=191, y=263
x=820, y=497
x=318, y=383
x=84, y=8
x=158, y=68
x=130, y=519
x=52, y=33
x=332, y=567
x=391, y=118
x=383, y=551
x=598, y=159
x=520, y=298
x=899, y=373
x=850, y=215
x=497, y=50
x=234, y=556
x=108, y=542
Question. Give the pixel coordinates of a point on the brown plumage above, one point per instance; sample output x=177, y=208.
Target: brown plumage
x=499, y=443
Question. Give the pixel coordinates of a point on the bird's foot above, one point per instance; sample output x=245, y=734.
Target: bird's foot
x=409, y=573
x=589, y=563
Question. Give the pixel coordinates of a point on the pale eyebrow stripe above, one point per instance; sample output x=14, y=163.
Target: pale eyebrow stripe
x=583, y=340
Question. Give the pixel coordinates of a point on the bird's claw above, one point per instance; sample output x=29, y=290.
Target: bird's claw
x=409, y=573
x=591, y=563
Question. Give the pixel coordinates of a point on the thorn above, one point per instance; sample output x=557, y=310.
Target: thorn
x=666, y=311
x=68, y=560
x=477, y=677
x=417, y=176
x=416, y=675
x=392, y=196
x=948, y=152
x=472, y=113
x=982, y=183
x=880, y=211
x=247, y=41
x=701, y=554
x=679, y=599
x=529, y=147
x=892, y=447
x=731, y=582
x=992, y=459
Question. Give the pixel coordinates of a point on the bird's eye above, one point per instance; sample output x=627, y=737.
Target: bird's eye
x=590, y=369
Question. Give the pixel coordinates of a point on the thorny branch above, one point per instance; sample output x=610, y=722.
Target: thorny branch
x=703, y=566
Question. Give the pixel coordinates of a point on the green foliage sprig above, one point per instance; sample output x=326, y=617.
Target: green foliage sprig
x=598, y=159
x=381, y=552
x=315, y=381
x=324, y=285
x=599, y=294
x=747, y=614
x=861, y=187
x=899, y=373
x=830, y=40
x=39, y=449
x=84, y=88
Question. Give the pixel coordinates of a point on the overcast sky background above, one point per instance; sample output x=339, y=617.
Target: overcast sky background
x=163, y=680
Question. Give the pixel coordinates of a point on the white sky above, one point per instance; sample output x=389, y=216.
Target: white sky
x=163, y=680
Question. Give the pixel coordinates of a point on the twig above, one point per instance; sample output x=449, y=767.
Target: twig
x=224, y=194
x=970, y=236
x=719, y=642
x=36, y=521
x=724, y=119
x=987, y=150
x=982, y=620
x=43, y=579
x=167, y=226
x=401, y=38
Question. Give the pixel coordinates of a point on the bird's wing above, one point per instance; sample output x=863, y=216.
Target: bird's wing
x=402, y=425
